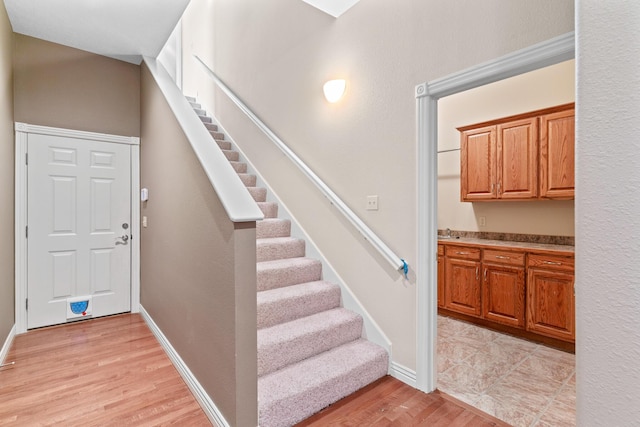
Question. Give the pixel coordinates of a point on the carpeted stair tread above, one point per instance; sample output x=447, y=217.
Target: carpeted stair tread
x=199, y=111
x=291, y=342
x=216, y=135
x=231, y=155
x=205, y=119
x=239, y=167
x=296, y=392
x=249, y=180
x=224, y=145
x=272, y=248
x=211, y=127
x=259, y=194
x=287, y=272
x=269, y=209
x=191, y=99
x=283, y=305
x=273, y=227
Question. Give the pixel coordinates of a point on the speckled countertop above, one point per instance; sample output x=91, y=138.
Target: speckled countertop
x=503, y=244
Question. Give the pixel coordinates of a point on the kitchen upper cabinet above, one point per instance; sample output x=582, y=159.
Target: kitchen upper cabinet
x=518, y=159
x=557, y=155
x=462, y=280
x=550, y=296
x=478, y=154
x=524, y=157
x=503, y=287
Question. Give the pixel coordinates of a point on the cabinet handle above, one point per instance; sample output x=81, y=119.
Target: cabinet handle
x=498, y=188
x=477, y=271
x=503, y=257
x=493, y=186
x=551, y=263
x=462, y=253
x=485, y=274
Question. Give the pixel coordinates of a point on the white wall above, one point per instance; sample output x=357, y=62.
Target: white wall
x=276, y=55
x=538, y=89
x=607, y=213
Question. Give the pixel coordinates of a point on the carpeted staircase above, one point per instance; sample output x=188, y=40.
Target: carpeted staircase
x=310, y=350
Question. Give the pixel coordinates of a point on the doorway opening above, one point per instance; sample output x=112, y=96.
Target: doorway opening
x=548, y=53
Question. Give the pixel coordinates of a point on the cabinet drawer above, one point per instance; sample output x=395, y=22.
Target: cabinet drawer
x=462, y=252
x=440, y=250
x=503, y=257
x=551, y=262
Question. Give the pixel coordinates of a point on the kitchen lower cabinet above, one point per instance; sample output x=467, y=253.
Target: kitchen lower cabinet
x=550, y=297
x=528, y=293
x=462, y=281
x=440, y=276
x=503, y=294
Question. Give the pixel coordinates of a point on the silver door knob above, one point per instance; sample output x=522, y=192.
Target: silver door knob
x=125, y=239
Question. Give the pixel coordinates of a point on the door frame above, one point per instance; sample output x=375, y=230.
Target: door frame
x=550, y=52
x=21, y=257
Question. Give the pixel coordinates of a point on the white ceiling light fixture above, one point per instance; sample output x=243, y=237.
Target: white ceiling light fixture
x=334, y=89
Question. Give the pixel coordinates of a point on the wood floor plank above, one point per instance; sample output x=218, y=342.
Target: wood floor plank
x=100, y=372
x=389, y=403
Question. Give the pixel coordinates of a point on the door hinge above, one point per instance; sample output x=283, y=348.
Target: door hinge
x=27, y=304
x=26, y=158
x=26, y=232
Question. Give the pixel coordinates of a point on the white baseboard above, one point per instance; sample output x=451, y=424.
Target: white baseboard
x=404, y=374
x=7, y=344
x=209, y=408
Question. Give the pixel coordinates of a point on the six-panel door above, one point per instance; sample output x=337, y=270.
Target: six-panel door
x=79, y=217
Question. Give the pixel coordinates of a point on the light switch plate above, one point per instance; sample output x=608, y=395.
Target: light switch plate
x=372, y=203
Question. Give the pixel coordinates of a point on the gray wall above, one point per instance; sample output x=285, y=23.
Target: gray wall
x=607, y=219
x=63, y=87
x=198, y=269
x=6, y=178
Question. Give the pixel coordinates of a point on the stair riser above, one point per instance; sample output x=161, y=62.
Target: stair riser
x=278, y=354
x=232, y=156
x=265, y=229
x=259, y=194
x=290, y=249
x=269, y=209
x=211, y=127
x=248, y=180
x=313, y=298
x=278, y=278
x=224, y=145
x=205, y=119
x=239, y=167
x=217, y=135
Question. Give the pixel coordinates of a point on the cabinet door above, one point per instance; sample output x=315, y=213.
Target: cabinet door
x=462, y=286
x=503, y=294
x=477, y=164
x=557, y=155
x=550, y=303
x=518, y=159
x=440, y=281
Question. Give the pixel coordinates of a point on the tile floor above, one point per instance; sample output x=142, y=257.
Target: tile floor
x=517, y=381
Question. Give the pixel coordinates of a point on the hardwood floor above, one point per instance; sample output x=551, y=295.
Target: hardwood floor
x=101, y=372
x=389, y=402
x=113, y=372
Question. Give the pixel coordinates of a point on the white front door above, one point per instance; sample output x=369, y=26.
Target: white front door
x=79, y=229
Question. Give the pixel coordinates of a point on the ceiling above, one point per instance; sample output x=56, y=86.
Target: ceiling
x=121, y=29
x=334, y=8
